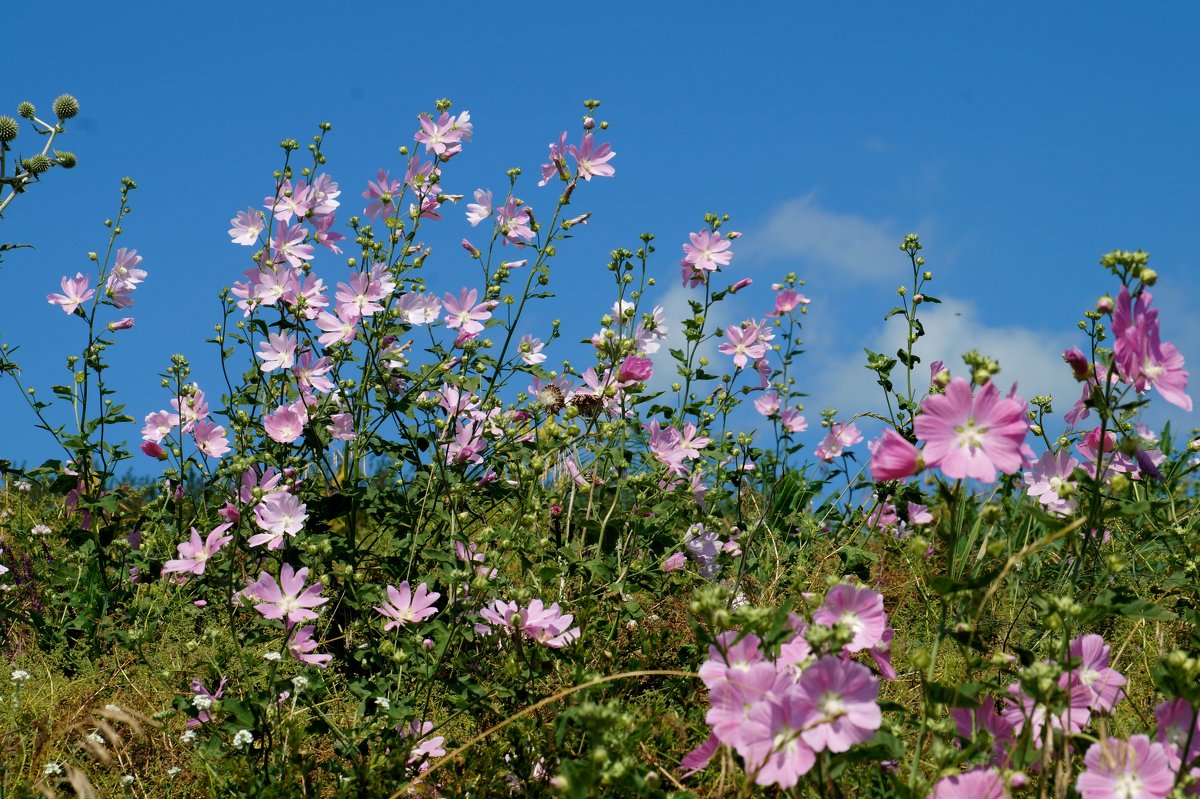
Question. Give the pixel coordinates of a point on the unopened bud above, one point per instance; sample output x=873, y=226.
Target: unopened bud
x=65, y=106
x=121, y=324
x=9, y=128
x=1104, y=304
x=471, y=248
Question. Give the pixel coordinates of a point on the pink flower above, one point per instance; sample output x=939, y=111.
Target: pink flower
x=707, y=251
x=975, y=784
x=530, y=350
x=284, y=424
x=159, y=425
x=969, y=436
x=767, y=404
x=860, y=609
x=302, y=645
x=481, y=209
x=289, y=243
x=407, y=606
x=1050, y=481
x=635, y=369
x=893, y=457
x=1144, y=361
x=464, y=315
x=1133, y=769
x=592, y=160
x=337, y=329
x=194, y=555
x=381, y=194
x=247, y=226
x=674, y=563
x=556, y=165
x=279, y=514
x=210, y=438
x=787, y=301
x=1022, y=710
x=743, y=344
x=839, y=438
x=792, y=421
x=1177, y=725
x=1094, y=673
x=287, y=600
x=775, y=747
x=75, y=293
x=548, y=626
x=840, y=696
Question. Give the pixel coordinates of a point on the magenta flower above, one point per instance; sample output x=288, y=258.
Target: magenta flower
x=1022, y=710
x=839, y=438
x=194, y=555
x=839, y=695
x=288, y=599
x=969, y=436
x=75, y=292
x=975, y=784
x=893, y=457
x=592, y=160
x=860, y=609
x=970, y=723
x=1133, y=769
x=407, y=606
x=707, y=251
x=635, y=369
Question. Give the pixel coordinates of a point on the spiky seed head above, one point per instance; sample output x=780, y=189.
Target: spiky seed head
x=66, y=106
x=9, y=128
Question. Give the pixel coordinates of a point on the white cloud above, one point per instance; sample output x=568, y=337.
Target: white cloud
x=847, y=244
x=1030, y=357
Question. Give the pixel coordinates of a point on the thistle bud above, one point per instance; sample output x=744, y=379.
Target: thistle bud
x=66, y=160
x=37, y=164
x=65, y=106
x=8, y=128
x=26, y=110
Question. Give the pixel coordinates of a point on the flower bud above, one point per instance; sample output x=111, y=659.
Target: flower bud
x=1149, y=277
x=65, y=106
x=1104, y=304
x=471, y=248
x=26, y=110
x=121, y=324
x=1079, y=363
x=9, y=128
x=741, y=284
x=66, y=160
x=37, y=164
x=154, y=450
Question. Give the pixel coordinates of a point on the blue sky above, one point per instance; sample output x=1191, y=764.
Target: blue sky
x=1021, y=145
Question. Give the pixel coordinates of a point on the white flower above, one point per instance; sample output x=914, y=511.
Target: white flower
x=127, y=779
x=383, y=702
x=300, y=682
x=20, y=675
x=201, y=702
x=41, y=529
x=188, y=736
x=25, y=485
x=52, y=770
x=172, y=771
x=242, y=739
x=95, y=737
x=271, y=656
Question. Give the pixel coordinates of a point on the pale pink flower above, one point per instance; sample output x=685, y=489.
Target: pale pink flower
x=407, y=606
x=556, y=165
x=767, y=404
x=288, y=599
x=839, y=695
x=675, y=562
x=323, y=196
x=302, y=645
x=969, y=436
x=530, y=350
x=775, y=748
x=210, y=438
x=279, y=514
x=341, y=427
x=481, y=209
x=418, y=309
x=289, y=242
x=840, y=438
x=635, y=369
x=159, y=425
x=1133, y=769
x=325, y=236
x=860, y=609
x=381, y=194
x=337, y=329
x=974, y=784
x=277, y=352
x=247, y=226
x=463, y=314
x=707, y=251
x=743, y=344
x=194, y=554
x=787, y=301
x=75, y=292
x=792, y=421
x=284, y=424
x=592, y=160
x=1050, y=481
x=1103, y=682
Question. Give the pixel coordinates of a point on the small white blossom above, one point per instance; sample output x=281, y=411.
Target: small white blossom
x=26, y=486
x=201, y=702
x=41, y=529
x=271, y=656
x=127, y=779
x=383, y=702
x=188, y=736
x=300, y=682
x=242, y=739
x=95, y=737
x=20, y=675
x=52, y=770
x=173, y=770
